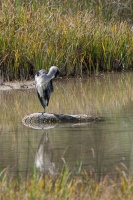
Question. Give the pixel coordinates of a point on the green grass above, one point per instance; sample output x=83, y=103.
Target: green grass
x=65, y=186
x=80, y=38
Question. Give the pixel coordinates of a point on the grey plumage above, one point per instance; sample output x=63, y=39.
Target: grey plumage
x=44, y=85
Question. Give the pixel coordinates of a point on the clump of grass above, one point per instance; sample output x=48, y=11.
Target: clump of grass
x=66, y=186
x=36, y=35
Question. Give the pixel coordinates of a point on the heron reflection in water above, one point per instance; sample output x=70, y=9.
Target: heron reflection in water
x=44, y=85
x=44, y=156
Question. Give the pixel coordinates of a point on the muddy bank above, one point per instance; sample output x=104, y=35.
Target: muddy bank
x=17, y=85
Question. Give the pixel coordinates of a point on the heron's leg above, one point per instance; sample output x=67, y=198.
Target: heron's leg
x=43, y=111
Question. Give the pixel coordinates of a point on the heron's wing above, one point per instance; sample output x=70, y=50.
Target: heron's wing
x=44, y=87
x=40, y=75
x=50, y=87
x=44, y=93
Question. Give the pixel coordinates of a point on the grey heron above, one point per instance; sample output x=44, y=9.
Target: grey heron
x=44, y=85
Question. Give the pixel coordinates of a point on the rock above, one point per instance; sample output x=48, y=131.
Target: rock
x=50, y=120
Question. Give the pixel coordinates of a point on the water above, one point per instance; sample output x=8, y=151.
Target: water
x=102, y=148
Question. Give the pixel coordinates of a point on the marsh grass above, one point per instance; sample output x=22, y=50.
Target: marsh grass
x=78, y=37
x=65, y=186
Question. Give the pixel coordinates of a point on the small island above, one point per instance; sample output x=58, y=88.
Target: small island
x=45, y=120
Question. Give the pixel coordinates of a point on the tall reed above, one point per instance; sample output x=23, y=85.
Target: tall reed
x=38, y=35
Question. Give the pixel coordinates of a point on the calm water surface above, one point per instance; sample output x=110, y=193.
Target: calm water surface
x=100, y=147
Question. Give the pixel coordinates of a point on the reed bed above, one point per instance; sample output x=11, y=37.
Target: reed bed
x=80, y=38
x=66, y=187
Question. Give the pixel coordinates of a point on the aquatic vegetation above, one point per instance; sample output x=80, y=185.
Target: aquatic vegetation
x=66, y=186
x=82, y=39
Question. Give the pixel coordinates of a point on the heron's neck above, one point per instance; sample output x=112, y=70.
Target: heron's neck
x=50, y=75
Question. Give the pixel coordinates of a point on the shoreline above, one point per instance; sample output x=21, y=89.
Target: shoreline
x=17, y=85
x=29, y=84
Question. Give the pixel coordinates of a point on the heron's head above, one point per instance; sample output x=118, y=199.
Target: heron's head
x=54, y=71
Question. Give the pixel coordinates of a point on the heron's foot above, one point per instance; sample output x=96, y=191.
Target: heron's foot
x=43, y=112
